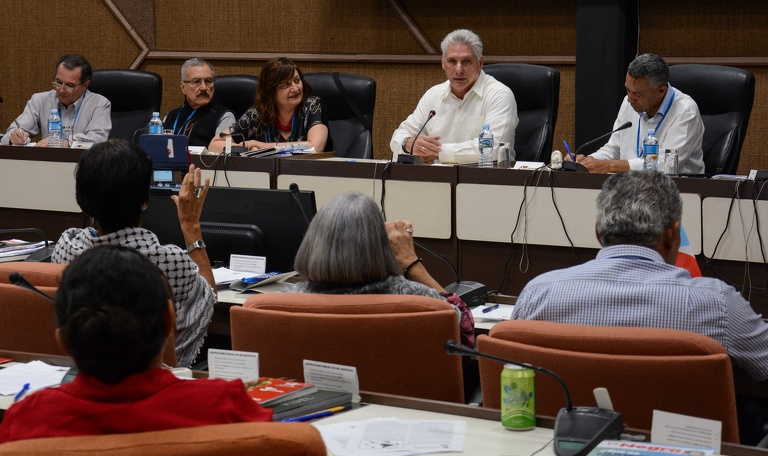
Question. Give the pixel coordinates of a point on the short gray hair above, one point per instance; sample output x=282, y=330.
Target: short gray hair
x=636, y=207
x=194, y=62
x=649, y=66
x=346, y=244
x=463, y=36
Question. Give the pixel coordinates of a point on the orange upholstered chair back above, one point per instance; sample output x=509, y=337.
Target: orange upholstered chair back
x=274, y=439
x=27, y=320
x=395, y=341
x=643, y=368
x=38, y=274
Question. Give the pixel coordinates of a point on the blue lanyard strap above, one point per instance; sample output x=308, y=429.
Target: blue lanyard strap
x=663, y=112
x=186, y=122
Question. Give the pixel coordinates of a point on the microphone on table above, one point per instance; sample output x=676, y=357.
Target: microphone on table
x=19, y=280
x=409, y=158
x=573, y=166
x=236, y=150
x=295, y=194
x=577, y=429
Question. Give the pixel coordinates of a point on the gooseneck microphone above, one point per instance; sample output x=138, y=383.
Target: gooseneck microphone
x=624, y=126
x=452, y=348
x=409, y=158
x=577, y=429
x=295, y=194
x=19, y=280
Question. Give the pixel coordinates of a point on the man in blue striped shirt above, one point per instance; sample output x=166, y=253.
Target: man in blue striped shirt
x=633, y=280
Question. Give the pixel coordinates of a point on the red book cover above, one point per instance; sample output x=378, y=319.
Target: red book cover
x=270, y=391
x=5, y=360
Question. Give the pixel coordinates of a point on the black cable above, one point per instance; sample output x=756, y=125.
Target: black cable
x=511, y=256
x=559, y=215
x=727, y=222
x=224, y=165
x=440, y=257
x=384, y=176
x=542, y=448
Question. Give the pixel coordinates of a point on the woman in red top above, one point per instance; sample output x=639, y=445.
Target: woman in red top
x=114, y=314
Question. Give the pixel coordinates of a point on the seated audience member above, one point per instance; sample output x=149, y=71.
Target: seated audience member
x=112, y=185
x=633, y=280
x=198, y=117
x=83, y=113
x=285, y=113
x=469, y=99
x=114, y=315
x=651, y=104
x=348, y=249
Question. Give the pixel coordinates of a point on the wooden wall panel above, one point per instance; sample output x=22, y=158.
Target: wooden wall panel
x=696, y=28
x=753, y=153
x=34, y=33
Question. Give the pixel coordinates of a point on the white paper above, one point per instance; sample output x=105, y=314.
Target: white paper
x=393, y=437
x=27, y=249
x=332, y=377
x=38, y=374
x=527, y=165
x=503, y=312
x=232, y=364
x=225, y=275
x=675, y=429
x=248, y=263
x=197, y=150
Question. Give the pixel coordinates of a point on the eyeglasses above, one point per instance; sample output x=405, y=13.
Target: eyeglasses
x=58, y=85
x=199, y=81
x=285, y=84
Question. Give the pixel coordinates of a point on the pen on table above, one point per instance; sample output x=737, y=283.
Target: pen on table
x=490, y=308
x=312, y=416
x=568, y=149
x=21, y=392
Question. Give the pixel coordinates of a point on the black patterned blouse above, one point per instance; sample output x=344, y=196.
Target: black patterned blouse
x=309, y=114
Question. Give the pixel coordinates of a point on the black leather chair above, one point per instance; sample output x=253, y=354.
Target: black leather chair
x=537, y=93
x=134, y=95
x=348, y=102
x=236, y=92
x=724, y=96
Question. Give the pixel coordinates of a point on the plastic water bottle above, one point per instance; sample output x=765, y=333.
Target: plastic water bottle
x=485, y=142
x=155, y=124
x=54, y=129
x=650, y=151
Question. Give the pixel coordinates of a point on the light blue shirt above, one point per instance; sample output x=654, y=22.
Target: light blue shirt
x=627, y=285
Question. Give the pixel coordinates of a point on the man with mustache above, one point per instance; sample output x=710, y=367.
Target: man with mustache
x=464, y=103
x=198, y=117
x=85, y=116
x=651, y=104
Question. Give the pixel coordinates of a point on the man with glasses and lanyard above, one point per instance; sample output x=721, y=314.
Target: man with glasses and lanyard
x=198, y=117
x=651, y=104
x=85, y=116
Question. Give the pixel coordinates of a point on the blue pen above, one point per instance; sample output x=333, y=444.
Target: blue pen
x=21, y=392
x=490, y=308
x=312, y=416
x=568, y=149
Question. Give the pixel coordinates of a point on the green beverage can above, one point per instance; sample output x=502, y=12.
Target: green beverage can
x=518, y=407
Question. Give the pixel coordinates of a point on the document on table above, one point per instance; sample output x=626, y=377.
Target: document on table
x=38, y=374
x=393, y=437
x=502, y=312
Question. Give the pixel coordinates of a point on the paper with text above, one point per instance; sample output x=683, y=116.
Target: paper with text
x=231, y=364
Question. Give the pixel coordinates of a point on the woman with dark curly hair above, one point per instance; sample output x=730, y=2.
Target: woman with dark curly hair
x=284, y=114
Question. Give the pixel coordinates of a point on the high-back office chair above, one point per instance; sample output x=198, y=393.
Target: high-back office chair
x=274, y=439
x=537, y=93
x=724, y=96
x=27, y=320
x=236, y=92
x=134, y=95
x=348, y=102
x=395, y=341
x=643, y=368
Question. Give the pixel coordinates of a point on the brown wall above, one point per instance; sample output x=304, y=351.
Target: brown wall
x=509, y=28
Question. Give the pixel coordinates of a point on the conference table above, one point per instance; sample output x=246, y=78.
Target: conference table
x=484, y=433
x=464, y=215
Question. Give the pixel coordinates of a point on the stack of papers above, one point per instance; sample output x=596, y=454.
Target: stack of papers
x=393, y=437
x=16, y=250
x=38, y=374
x=502, y=312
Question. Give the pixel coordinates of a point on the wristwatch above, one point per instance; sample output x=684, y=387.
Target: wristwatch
x=405, y=141
x=198, y=244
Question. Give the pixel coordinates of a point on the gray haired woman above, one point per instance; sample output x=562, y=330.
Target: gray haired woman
x=348, y=249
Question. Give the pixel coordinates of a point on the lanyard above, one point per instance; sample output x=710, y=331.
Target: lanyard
x=77, y=113
x=663, y=111
x=186, y=122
